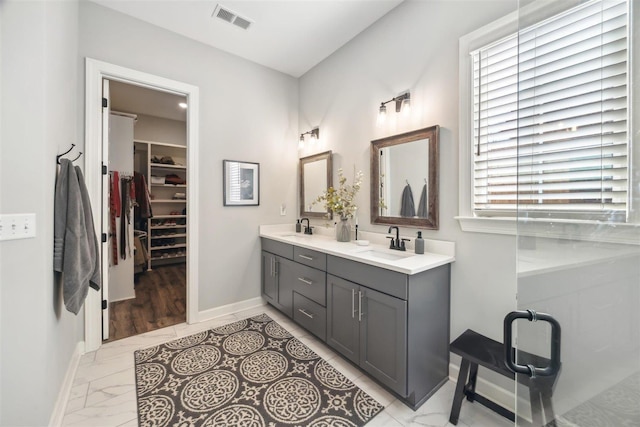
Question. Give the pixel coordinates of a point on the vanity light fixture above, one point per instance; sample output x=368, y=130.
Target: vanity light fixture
x=183, y=105
x=403, y=103
x=314, y=135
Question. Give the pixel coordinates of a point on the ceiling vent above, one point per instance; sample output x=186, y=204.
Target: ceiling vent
x=227, y=15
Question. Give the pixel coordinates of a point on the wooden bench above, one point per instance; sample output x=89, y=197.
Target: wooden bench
x=478, y=350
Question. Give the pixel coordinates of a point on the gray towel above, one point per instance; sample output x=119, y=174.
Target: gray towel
x=92, y=239
x=60, y=213
x=76, y=251
x=422, y=204
x=408, y=207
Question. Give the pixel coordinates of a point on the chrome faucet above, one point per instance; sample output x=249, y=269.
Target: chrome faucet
x=397, y=243
x=307, y=229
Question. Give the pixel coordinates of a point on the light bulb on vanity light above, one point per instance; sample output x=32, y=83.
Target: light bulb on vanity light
x=406, y=107
x=183, y=105
x=382, y=115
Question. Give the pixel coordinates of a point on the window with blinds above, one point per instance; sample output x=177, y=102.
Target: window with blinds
x=550, y=117
x=235, y=182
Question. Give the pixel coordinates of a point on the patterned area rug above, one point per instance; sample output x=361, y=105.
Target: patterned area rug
x=249, y=373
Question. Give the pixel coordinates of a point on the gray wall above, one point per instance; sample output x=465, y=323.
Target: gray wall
x=39, y=120
x=415, y=47
x=159, y=129
x=247, y=112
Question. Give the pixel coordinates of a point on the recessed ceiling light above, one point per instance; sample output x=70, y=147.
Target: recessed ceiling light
x=182, y=105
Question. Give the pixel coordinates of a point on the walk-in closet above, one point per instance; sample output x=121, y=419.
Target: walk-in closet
x=147, y=210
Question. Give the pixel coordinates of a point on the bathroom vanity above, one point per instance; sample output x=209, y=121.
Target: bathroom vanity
x=386, y=311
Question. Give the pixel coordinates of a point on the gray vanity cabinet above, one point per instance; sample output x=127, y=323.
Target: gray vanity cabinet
x=392, y=325
x=369, y=328
x=294, y=281
x=277, y=281
x=278, y=275
x=343, y=327
x=269, y=276
x=383, y=339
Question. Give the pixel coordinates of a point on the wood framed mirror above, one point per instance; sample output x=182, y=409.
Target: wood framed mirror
x=315, y=176
x=404, y=179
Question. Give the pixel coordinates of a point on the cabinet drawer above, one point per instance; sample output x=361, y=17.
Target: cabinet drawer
x=379, y=279
x=310, y=315
x=278, y=248
x=311, y=283
x=311, y=258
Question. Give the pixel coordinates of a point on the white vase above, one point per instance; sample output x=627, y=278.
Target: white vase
x=343, y=230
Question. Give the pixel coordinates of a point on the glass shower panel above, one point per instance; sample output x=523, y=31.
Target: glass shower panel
x=578, y=221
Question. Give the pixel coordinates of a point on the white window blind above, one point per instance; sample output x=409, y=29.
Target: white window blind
x=234, y=181
x=550, y=116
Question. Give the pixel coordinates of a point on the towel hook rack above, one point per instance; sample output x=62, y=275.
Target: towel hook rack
x=67, y=152
x=77, y=157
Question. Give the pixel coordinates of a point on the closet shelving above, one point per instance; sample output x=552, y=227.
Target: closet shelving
x=167, y=229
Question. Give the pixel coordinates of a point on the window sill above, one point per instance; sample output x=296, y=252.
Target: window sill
x=596, y=231
x=493, y=225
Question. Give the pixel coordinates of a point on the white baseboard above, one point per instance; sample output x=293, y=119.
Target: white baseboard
x=225, y=310
x=59, y=408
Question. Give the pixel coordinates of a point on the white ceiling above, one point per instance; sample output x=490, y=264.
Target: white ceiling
x=290, y=36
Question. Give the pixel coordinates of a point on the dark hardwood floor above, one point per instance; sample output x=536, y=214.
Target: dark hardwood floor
x=160, y=301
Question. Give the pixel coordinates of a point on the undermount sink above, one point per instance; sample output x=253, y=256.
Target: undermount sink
x=389, y=256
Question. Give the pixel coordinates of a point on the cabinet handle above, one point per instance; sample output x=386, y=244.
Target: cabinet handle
x=310, y=316
x=308, y=258
x=303, y=280
x=271, y=265
x=359, y=306
x=353, y=303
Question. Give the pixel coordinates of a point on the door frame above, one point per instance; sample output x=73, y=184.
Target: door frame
x=95, y=72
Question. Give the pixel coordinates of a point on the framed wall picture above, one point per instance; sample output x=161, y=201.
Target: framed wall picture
x=241, y=183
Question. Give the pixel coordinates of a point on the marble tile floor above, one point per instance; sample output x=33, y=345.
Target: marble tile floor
x=103, y=392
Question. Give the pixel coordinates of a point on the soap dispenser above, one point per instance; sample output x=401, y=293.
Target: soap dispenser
x=298, y=226
x=419, y=243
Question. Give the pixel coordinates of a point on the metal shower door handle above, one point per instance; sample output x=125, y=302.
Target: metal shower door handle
x=530, y=370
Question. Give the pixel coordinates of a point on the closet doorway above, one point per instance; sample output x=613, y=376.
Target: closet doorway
x=147, y=210
x=98, y=75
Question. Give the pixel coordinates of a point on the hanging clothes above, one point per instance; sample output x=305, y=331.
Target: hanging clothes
x=114, y=211
x=143, y=210
x=407, y=207
x=127, y=194
x=75, y=245
x=422, y=204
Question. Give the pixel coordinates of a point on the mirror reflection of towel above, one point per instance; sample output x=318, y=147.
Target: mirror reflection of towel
x=422, y=205
x=408, y=207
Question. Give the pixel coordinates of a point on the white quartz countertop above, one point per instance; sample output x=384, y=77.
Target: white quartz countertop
x=376, y=253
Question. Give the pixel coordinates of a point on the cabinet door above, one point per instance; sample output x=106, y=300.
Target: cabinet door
x=343, y=329
x=383, y=338
x=269, y=278
x=286, y=277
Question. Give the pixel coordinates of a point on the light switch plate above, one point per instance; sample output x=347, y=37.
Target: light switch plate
x=17, y=226
x=283, y=209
